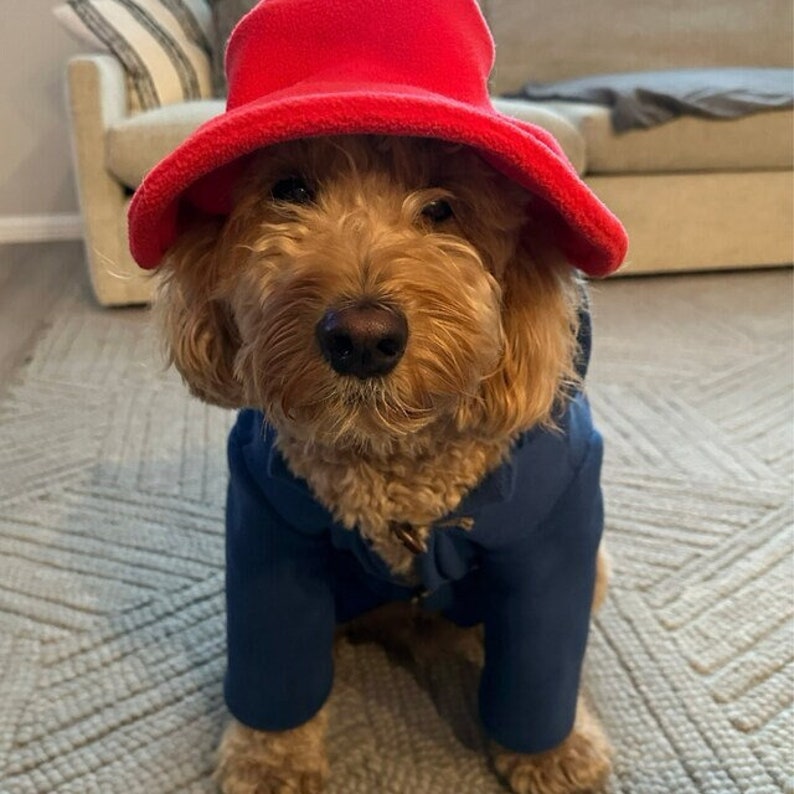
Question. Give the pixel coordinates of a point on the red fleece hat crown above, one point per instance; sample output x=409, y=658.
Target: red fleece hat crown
x=304, y=68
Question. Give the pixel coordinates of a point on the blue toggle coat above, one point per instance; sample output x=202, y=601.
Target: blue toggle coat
x=526, y=569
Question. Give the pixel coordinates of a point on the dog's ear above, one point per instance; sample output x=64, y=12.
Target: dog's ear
x=198, y=330
x=540, y=320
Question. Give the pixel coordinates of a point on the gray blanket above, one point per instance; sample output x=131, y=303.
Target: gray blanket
x=645, y=99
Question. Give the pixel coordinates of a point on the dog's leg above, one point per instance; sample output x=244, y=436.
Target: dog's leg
x=277, y=762
x=412, y=635
x=579, y=765
x=582, y=762
x=603, y=573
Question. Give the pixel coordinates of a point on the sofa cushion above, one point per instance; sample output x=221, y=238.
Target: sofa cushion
x=645, y=99
x=556, y=41
x=137, y=143
x=566, y=134
x=760, y=141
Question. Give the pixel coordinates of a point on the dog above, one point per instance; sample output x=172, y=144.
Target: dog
x=379, y=269
x=395, y=323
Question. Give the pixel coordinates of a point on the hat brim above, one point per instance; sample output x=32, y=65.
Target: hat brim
x=586, y=231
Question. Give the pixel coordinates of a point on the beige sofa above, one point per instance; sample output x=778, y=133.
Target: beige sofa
x=695, y=194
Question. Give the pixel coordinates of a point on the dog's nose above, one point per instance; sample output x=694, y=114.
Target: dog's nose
x=364, y=340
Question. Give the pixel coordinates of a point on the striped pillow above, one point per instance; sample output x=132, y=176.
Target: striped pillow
x=163, y=45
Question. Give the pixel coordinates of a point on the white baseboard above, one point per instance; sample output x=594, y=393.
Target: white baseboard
x=40, y=228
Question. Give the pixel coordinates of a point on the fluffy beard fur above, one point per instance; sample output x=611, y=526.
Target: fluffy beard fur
x=491, y=311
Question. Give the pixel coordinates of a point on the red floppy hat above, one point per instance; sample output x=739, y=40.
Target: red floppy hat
x=304, y=68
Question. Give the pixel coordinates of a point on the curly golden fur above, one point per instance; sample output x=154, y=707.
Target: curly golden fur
x=492, y=317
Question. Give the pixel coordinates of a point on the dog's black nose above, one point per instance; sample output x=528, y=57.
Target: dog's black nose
x=364, y=340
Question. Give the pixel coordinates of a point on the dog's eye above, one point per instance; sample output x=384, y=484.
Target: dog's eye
x=438, y=211
x=293, y=190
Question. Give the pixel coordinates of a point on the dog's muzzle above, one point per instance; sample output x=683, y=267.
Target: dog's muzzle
x=364, y=340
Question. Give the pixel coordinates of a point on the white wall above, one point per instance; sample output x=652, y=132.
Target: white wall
x=35, y=168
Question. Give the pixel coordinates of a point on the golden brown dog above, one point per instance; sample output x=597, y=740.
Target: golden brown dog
x=381, y=301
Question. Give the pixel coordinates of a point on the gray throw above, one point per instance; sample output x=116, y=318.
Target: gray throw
x=645, y=99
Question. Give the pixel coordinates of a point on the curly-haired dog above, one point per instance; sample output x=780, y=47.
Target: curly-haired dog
x=380, y=301
x=379, y=268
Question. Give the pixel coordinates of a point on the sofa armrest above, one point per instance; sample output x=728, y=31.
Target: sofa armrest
x=97, y=99
x=99, y=80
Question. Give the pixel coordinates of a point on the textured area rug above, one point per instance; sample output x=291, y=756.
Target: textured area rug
x=111, y=607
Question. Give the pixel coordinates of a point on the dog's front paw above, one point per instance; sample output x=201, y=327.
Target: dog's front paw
x=579, y=765
x=278, y=762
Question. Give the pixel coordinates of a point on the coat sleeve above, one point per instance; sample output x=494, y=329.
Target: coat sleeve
x=280, y=609
x=537, y=617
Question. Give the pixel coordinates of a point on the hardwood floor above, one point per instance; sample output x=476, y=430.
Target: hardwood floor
x=34, y=277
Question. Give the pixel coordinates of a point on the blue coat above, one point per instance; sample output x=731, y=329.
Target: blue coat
x=526, y=569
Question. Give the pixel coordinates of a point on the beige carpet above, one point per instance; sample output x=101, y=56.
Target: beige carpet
x=111, y=627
